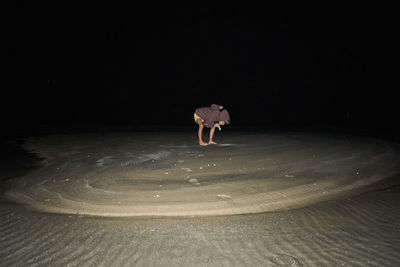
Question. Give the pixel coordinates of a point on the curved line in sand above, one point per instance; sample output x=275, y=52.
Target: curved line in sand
x=268, y=174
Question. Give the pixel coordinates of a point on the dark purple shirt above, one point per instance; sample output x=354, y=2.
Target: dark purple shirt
x=211, y=115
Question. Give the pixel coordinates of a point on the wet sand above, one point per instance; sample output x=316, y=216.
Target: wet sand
x=303, y=200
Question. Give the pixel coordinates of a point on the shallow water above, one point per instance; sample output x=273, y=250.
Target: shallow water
x=354, y=223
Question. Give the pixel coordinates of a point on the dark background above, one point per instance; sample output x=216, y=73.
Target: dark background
x=108, y=66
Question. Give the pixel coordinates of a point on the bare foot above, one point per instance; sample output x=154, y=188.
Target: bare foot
x=212, y=143
x=203, y=143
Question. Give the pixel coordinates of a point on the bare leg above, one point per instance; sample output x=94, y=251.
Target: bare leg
x=212, y=130
x=200, y=132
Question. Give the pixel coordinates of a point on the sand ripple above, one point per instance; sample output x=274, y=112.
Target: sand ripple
x=363, y=231
x=148, y=175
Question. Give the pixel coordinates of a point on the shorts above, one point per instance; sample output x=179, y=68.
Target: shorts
x=197, y=117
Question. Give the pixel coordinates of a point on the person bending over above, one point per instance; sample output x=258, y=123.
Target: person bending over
x=210, y=117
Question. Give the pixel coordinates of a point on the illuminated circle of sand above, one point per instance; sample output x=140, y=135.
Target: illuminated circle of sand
x=168, y=174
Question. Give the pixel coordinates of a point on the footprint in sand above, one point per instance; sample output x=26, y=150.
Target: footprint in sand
x=194, y=181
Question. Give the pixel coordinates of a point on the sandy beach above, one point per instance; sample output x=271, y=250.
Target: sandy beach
x=255, y=199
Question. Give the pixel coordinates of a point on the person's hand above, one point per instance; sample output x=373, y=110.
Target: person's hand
x=220, y=107
x=216, y=125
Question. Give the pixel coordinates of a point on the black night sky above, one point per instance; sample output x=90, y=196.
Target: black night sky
x=276, y=66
